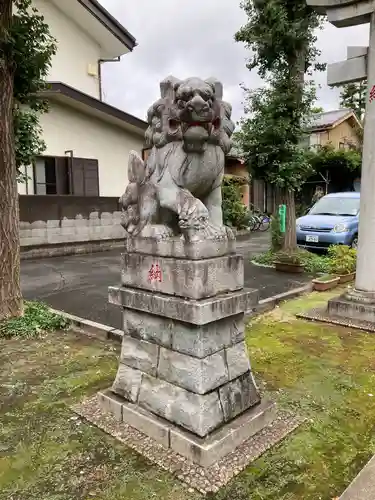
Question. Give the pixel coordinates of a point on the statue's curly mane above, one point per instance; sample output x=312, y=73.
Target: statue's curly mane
x=165, y=112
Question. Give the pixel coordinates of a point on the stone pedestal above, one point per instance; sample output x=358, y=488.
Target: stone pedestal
x=184, y=374
x=355, y=305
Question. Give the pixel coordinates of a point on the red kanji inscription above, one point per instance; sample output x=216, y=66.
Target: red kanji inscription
x=154, y=273
x=372, y=94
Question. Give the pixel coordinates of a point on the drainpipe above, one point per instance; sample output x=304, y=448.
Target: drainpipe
x=100, y=62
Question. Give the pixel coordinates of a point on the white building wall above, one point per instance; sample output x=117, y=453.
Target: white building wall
x=77, y=53
x=65, y=128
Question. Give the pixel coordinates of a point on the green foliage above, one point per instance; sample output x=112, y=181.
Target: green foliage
x=289, y=257
x=277, y=32
x=343, y=259
x=235, y=213
x=280, y=36
x=271, y=139
x=37, y=319
x=353, y=96
x=276, y=235
x=313, y=264
x=30, y=48
x=28, y=142
x=328, y=158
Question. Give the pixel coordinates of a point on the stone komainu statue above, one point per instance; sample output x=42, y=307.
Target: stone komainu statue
x=178, y=189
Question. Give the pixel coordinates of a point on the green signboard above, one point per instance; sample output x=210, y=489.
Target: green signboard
x=282, y=215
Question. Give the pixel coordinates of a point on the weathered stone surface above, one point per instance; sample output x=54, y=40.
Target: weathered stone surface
x=198, y=414
x=223, y=441
x=194, y=374
x=363, y=486
x=238, y=361
x=195, y=279
x=352, y=309
x=202, y=451
x=146, y=422
x=139, y=354
x=111, y=403
x=201, y=341
x=180, y=248
x=195, y=340
x=174, y=198
x=127, y=383
x=237, y=329
x=238, y=395
x=148, y=327
x=198, y=312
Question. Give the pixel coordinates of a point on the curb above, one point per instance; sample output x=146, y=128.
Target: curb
x=91, y=328
x=270, y=303
x=268, y=266
x=105, y=332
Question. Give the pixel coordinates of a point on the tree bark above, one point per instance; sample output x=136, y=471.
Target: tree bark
x=297, y=75
x=10, y=290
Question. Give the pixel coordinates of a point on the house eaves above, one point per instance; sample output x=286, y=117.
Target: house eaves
x=332, y=119
x=93, y=19
x=107, y=20
x=64, y=94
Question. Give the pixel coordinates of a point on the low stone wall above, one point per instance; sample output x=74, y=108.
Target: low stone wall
x=97, y=227
x=57, y=225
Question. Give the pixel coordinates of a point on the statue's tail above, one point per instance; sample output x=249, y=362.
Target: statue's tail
x=136, y=168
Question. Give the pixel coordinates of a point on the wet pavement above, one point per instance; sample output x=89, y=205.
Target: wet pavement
x=78, y=284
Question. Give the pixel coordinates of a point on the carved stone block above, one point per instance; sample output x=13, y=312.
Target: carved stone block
x=194, y=374
x=199, y=414
x=195, y=279
x=196, y=312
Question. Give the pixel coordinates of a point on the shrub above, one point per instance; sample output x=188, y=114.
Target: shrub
x=235, y=213
x=289, y=257
x=343, y=259
x=315, y=264
x=37, y=319
x=312, y=263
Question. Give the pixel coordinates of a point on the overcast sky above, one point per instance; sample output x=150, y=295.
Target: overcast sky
x=196, y=38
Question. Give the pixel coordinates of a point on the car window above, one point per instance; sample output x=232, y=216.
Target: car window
x=336, y=206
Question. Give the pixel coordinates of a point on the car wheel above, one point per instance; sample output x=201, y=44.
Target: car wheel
x=354, y=243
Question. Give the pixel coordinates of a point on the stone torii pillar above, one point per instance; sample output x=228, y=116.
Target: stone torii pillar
x=358, y=304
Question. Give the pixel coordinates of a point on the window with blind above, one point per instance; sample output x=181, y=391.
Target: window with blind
x=66, y=175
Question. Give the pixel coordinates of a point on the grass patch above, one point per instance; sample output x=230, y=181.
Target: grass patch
x=325, y=373
x=37, y=319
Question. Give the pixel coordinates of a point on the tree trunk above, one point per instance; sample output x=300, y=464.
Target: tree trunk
x=290, y=238
x=10, y=290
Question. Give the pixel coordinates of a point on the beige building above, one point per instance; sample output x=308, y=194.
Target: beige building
x=339, y=128
x=88, y=141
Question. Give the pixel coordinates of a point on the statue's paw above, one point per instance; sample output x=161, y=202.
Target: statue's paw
x=192, y=214
x=206, y=232
x=215, y=233
x=156, y=231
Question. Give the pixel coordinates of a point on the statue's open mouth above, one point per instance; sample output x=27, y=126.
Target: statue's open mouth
x=207, y=125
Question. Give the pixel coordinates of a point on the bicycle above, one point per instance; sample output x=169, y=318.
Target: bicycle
x=259, y=221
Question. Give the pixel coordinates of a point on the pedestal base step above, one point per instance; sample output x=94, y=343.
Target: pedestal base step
x=343, y=307
x=202, y=451
x=321, y=314
x=206, y=480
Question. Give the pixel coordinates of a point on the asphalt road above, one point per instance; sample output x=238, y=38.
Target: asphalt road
x=78, y=284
